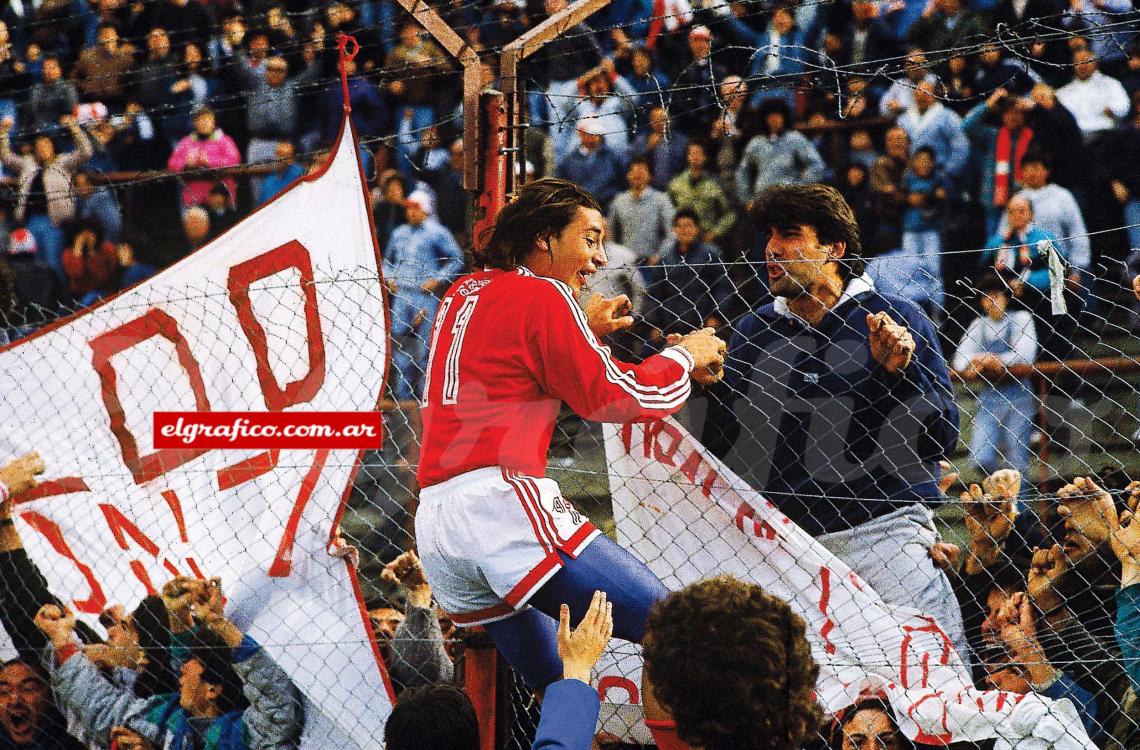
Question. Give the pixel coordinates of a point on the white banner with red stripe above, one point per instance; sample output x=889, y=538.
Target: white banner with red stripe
x=282, y=313
x=683, y=512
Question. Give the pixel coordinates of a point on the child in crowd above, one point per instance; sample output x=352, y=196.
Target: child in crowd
x=995, y=341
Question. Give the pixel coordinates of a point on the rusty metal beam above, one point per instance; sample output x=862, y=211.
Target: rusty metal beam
x=439, y=30
x=559, y=23
x=472, y=89
x=517, y=51
x=512, y=55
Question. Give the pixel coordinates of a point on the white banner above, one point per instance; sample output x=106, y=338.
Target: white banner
x=282, y=313
x=689, y=517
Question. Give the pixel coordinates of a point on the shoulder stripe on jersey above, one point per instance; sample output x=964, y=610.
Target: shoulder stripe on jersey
x=649, y=396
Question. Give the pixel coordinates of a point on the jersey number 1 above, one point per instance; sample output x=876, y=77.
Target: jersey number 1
x=451, y=363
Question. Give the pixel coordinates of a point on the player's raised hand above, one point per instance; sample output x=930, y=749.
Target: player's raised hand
x=708, y=352
x=892, y=346
x=605, y=315
x=581, y=649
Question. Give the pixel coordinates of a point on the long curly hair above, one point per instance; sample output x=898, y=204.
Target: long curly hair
x=733, y=666
x=541, y=209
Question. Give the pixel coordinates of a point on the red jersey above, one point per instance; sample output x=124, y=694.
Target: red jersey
x=507, y=348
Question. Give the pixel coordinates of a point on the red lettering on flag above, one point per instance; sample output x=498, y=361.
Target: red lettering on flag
x=824, y=598
x=92, y=605
x=155, y=322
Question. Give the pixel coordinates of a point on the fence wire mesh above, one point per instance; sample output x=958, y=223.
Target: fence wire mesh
x=989, y=184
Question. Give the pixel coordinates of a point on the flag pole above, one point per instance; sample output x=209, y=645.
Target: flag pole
x=342, y=44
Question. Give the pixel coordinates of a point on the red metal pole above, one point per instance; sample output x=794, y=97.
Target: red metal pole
x=480, y=671
x=493, y=174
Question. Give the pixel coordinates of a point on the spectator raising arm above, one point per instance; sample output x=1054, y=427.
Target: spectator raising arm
x=418, y=655
x=19, y=604
x=216, y=662
x=570, y=707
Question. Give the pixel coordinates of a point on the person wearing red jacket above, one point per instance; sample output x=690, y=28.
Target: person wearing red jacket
x=510, y=344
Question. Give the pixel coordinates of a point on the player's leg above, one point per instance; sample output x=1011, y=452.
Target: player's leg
x=634, y=589
x=528, y=640
x=603, y=566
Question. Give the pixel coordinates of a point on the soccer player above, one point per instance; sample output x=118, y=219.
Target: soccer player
x=511, y=344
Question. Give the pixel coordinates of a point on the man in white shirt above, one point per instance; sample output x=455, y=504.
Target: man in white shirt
x=1097, y=101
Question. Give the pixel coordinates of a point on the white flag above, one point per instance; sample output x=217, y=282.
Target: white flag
x=282, y=313
x=689, y=517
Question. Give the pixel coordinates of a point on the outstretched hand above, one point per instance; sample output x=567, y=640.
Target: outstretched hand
x=1125, y=541
x=581, y=649
x=407, y=571
x=1046, y=571
x=990, y=522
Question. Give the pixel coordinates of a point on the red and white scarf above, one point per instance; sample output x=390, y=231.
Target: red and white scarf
x=1003, y=151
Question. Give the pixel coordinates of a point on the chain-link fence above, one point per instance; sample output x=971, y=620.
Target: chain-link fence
x=1020, y=310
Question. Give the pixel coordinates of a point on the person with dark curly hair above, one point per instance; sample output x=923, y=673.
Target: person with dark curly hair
x=732, y=666
x=837, y=404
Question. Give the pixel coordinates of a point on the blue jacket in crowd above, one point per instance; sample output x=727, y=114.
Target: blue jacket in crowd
x=807, y=416
x=601, y=172
x=685, y=290
x=416, y=254
x=569, y=715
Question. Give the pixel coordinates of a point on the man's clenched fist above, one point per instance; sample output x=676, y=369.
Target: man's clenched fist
x=892, y=346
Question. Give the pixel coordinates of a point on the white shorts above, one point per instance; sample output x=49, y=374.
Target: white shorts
x=489, y=539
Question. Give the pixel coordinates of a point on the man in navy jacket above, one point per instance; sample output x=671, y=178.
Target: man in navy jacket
x=837, y=405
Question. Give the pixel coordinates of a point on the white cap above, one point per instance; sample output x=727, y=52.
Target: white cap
x=421, y=199
x=591, y=126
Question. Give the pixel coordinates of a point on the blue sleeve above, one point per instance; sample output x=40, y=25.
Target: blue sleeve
x=740, y=32
x=1065, y=687
x=959, y=147
x=448, y=252
x=1128, y=631
x=973, y=124
x=569, y=717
